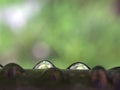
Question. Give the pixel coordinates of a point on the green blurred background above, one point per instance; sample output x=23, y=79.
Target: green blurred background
x=62, y=31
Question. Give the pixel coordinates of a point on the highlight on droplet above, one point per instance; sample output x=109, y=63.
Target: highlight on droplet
x=44, y=64
x=78, y=66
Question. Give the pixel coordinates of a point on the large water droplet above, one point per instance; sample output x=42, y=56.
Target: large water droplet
x=78, y=66
x=44, y=64
x=12, y=70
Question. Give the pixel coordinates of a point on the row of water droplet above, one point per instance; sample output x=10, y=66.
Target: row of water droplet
x=50, y=71
x=45, y=64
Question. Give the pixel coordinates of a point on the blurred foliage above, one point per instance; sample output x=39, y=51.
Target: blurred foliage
x=75, y=30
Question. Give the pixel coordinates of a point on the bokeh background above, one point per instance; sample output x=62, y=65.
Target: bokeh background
x=62, y=31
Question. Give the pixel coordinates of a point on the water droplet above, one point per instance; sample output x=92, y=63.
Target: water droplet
x=78, y=66
x=44, y=64
x=12, y=70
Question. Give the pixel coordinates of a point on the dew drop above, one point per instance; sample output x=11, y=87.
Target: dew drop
x=12, y=70
x=44, y=64
x=78, y=66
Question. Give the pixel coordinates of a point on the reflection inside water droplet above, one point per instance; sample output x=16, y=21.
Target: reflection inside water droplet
x=78, y=66
x=44, y=64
